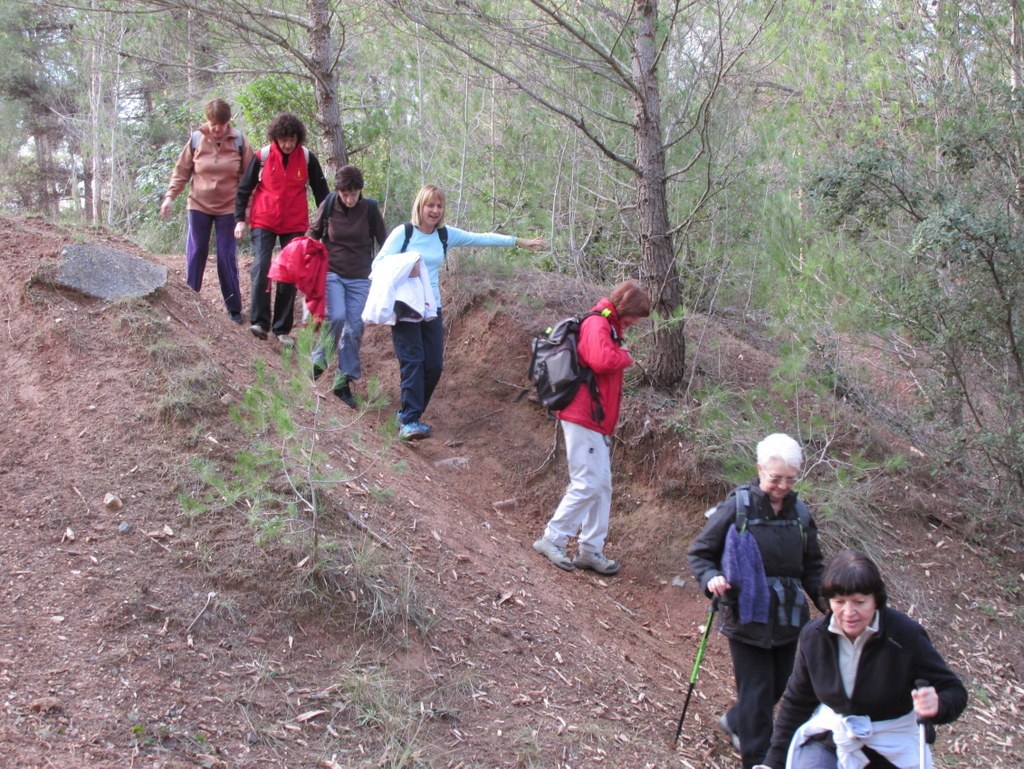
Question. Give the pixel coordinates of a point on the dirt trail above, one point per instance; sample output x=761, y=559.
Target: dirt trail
x=139, y=636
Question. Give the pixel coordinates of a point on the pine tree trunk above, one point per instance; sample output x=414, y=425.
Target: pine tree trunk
x=325, y=73
x=660, y=270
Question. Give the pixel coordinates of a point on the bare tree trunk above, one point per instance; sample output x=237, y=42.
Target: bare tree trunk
x=325, y=75
x=1016, y=77
x=94, y=208
x=115, y=110
x=660, y=272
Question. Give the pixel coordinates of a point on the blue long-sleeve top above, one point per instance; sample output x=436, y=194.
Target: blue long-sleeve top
x=429, y=246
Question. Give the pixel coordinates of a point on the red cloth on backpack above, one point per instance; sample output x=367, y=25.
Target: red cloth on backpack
x=304, y=262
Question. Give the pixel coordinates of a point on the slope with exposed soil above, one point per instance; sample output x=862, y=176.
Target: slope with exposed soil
x=161, y=635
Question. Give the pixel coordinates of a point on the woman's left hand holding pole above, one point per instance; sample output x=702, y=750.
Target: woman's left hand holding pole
x=926, y=702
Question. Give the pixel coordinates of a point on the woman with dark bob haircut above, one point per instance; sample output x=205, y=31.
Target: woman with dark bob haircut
x=276, y=180
x=348, y=225
x=853, y=693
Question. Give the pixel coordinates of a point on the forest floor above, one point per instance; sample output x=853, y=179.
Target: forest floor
x=152, y=618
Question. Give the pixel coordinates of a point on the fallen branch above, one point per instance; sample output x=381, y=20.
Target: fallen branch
x=367, y=530
x=209, y=597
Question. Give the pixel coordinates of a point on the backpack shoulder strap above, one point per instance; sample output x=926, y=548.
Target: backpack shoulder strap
x=803, y=516
x=372, y=210
x=605, y=313
x=197, y=136
x=742, y=507
x=264, y=153
x=408, y=237
x=240, y=141
x=328, y=207
x=442, y=234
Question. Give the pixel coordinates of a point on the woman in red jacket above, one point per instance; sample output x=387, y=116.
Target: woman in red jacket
x=276, y=180
x=588, y=427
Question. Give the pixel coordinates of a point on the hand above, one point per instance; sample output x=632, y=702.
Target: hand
x=926, y=702
x=534, y=244
x=165, y=208
x=239, y=230
x=718, y=586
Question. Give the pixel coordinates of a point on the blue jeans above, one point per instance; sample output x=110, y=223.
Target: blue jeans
x=419, y=348
x=346, y=298
x=197, y=249
x=284, y=302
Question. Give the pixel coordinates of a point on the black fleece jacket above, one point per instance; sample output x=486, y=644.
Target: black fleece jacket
x=890, y=662
x=786, y=552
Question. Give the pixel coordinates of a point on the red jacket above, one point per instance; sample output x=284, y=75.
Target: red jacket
x=279, y=200
x=304, y=262
x=605, y=356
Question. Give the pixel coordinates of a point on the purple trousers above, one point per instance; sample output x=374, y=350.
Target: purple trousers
x=197, y=248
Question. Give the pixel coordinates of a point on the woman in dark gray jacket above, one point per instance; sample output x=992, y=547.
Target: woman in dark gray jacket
x=854, y=691
x=759, y=555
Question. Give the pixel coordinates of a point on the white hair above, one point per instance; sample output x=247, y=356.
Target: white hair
x=780, y=446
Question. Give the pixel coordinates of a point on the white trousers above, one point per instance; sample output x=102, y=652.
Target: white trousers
x=587, y=503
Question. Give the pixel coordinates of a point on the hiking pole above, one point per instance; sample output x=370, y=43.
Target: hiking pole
x=696, y=667
x=922, y=730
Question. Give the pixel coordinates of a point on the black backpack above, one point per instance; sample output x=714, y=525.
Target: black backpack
x=442, y=234
x=555, y=368
x=743, y=511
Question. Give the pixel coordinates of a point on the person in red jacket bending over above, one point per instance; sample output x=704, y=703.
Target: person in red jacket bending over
x=588, y=426
x=276, y=181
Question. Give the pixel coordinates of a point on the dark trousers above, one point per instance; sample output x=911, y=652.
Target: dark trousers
x=284, y=301
x=761, y=676
x=419, y=348
x=822, y=755
x=197, y=249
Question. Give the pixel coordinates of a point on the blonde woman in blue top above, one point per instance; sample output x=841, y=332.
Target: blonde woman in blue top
x=419, y=346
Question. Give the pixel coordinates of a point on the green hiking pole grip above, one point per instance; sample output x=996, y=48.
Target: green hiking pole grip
x=696, y=667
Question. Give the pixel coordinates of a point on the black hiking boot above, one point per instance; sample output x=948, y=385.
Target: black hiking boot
x=342, y=390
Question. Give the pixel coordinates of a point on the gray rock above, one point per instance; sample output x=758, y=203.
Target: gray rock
x=124, y=527
x=108, y=273
x=453, y=462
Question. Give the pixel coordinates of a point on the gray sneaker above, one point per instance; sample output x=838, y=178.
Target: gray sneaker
x=553, y=553
x=723, y=724
x=258, y=331
x=595, y=562
x=285, y=340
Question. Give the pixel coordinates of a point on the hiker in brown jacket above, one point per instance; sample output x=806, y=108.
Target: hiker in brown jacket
x=213, y=160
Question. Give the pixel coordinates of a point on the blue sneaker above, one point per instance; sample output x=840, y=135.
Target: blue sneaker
x=413, y=431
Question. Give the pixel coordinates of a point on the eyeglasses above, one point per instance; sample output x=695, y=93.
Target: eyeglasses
x=782, y=480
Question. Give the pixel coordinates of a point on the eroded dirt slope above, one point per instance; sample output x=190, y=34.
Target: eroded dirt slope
x=142, y=636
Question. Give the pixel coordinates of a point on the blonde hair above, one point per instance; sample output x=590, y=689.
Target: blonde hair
x=427, y=193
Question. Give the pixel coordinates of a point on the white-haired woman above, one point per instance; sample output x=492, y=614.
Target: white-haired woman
x=758, y=555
